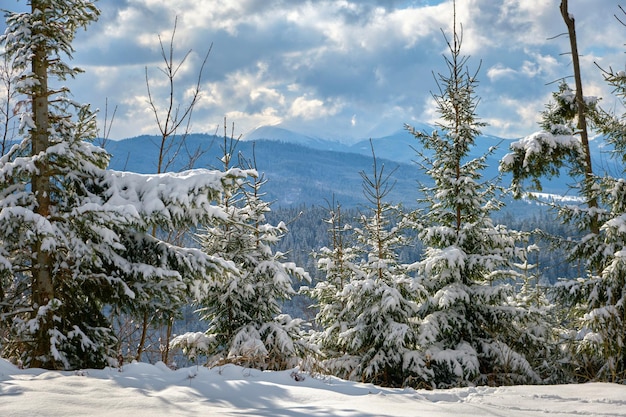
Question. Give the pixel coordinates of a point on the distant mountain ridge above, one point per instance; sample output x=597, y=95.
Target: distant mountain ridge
x=296, y=174
x=398, y=146
x=304, y=169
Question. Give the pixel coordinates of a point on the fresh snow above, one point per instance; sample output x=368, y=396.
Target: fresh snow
x=552, y=198
x=141, y=389
x=170, y=194
x=540, y=143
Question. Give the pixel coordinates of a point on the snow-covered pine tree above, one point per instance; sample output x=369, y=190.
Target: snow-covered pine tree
x=592, y=305
x=556, y=148
x=337, y=263
x=377, y=342
x=74, y=236
x=597, y=302
x=470, y=331
x=243, y=307
x=563, y=142
x=35, y=52
x=541, y=338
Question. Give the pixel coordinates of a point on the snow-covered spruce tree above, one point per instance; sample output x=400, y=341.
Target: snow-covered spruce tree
x=377, y=342
x=597, y=302
x=35, y=41
x=544, y=154
x=332, y=319
x=243, y=307
x=470, y=330
x=541, y=337
x=549, y=152
x=74, y=236
x=563, y=142
x=592, y=304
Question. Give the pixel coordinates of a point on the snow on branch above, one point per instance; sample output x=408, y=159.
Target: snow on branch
x=173, y=197
x=193, y=344
x=540, y=144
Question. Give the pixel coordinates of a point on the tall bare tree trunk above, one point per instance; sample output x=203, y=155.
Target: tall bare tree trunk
x=43, y=287
x=592, y=201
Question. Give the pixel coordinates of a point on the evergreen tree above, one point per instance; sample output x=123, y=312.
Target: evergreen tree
x=540, y=338
x=243, y=307
x=597, y=302
x=74, y=236
x=563, y=142
x=470, y=330
x=592, y=305
x=337, y=263
x=556, y=146
x=376, y=340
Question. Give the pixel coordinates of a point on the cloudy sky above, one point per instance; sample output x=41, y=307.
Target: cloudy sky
x=343, y=69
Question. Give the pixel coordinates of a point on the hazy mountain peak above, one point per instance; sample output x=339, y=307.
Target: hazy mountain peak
x=274, y=133
x=281, y=134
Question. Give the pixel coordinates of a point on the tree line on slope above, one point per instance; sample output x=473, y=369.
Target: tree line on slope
x=83, y=245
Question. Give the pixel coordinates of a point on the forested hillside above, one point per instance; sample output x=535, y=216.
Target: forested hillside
x=308, y=232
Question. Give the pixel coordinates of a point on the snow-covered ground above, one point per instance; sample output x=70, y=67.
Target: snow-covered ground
x=154, y=390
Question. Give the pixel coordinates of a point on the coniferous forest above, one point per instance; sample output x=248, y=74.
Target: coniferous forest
x=100, y=267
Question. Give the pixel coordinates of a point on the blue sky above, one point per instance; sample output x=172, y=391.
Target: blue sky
x=342, y=69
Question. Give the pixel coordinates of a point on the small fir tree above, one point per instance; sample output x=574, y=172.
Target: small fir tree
x=243, y=307
x=540, y=336
x=337, y=263
x=377, y=338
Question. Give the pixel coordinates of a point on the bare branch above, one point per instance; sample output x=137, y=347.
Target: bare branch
x=174, y=116
x=623, y=12
x=8, y=104
x=108, y=124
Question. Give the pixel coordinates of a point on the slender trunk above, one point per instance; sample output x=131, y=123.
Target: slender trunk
x=457, y=120
x=146, y=316
x=7, y=74
x=145, y=324
x=144, y=335
x=379, y=232
x=592, y=201
x=165, y=356
x=43, y=287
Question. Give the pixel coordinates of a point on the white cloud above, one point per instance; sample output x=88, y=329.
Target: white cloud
x=312, y=108
x=352, y=67
x=515, y=116
x=500, y=71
